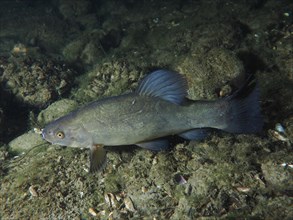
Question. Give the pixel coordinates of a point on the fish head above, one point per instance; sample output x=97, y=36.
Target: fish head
x=72, y=136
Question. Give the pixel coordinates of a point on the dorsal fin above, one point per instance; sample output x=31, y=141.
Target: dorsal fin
x=167, y=85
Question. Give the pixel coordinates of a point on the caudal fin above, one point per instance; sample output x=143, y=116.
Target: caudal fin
x=244, y=114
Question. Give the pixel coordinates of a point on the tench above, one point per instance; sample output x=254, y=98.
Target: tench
x=158, y=108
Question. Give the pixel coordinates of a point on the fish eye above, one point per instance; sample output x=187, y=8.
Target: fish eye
x=60, y=134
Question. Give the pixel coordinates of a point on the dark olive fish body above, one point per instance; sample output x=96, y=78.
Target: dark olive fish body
x=157, y=109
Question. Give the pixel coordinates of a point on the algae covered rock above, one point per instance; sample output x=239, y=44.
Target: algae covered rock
x=36, y=82
x=208, y=71
x=56, y=110
x=278, y=176
x=2, y=118
x=94, y=45
x=110, y=78
x=25, y=142
x=72, y=9
x=86, y=49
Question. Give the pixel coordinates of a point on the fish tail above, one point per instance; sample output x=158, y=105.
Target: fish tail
x=244, y=113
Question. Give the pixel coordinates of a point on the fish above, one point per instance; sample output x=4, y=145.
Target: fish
x=157, y=109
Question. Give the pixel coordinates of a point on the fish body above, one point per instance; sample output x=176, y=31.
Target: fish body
x=158, y=108
x=131, y=118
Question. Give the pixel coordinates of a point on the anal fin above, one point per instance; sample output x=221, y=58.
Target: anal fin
x=195, y=134
x=97, y=158
x=155, y=145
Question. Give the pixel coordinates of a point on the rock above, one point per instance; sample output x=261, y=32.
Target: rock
x=56, y=110
x=111, y=78
x=25, y=142
x=276, y=175
x=208, y=71
x=1, y=122
x=35, y=82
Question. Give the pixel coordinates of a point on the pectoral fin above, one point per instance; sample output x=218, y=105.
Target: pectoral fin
x=97, y=158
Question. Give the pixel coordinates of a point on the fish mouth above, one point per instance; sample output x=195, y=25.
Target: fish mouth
x=43, y=134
